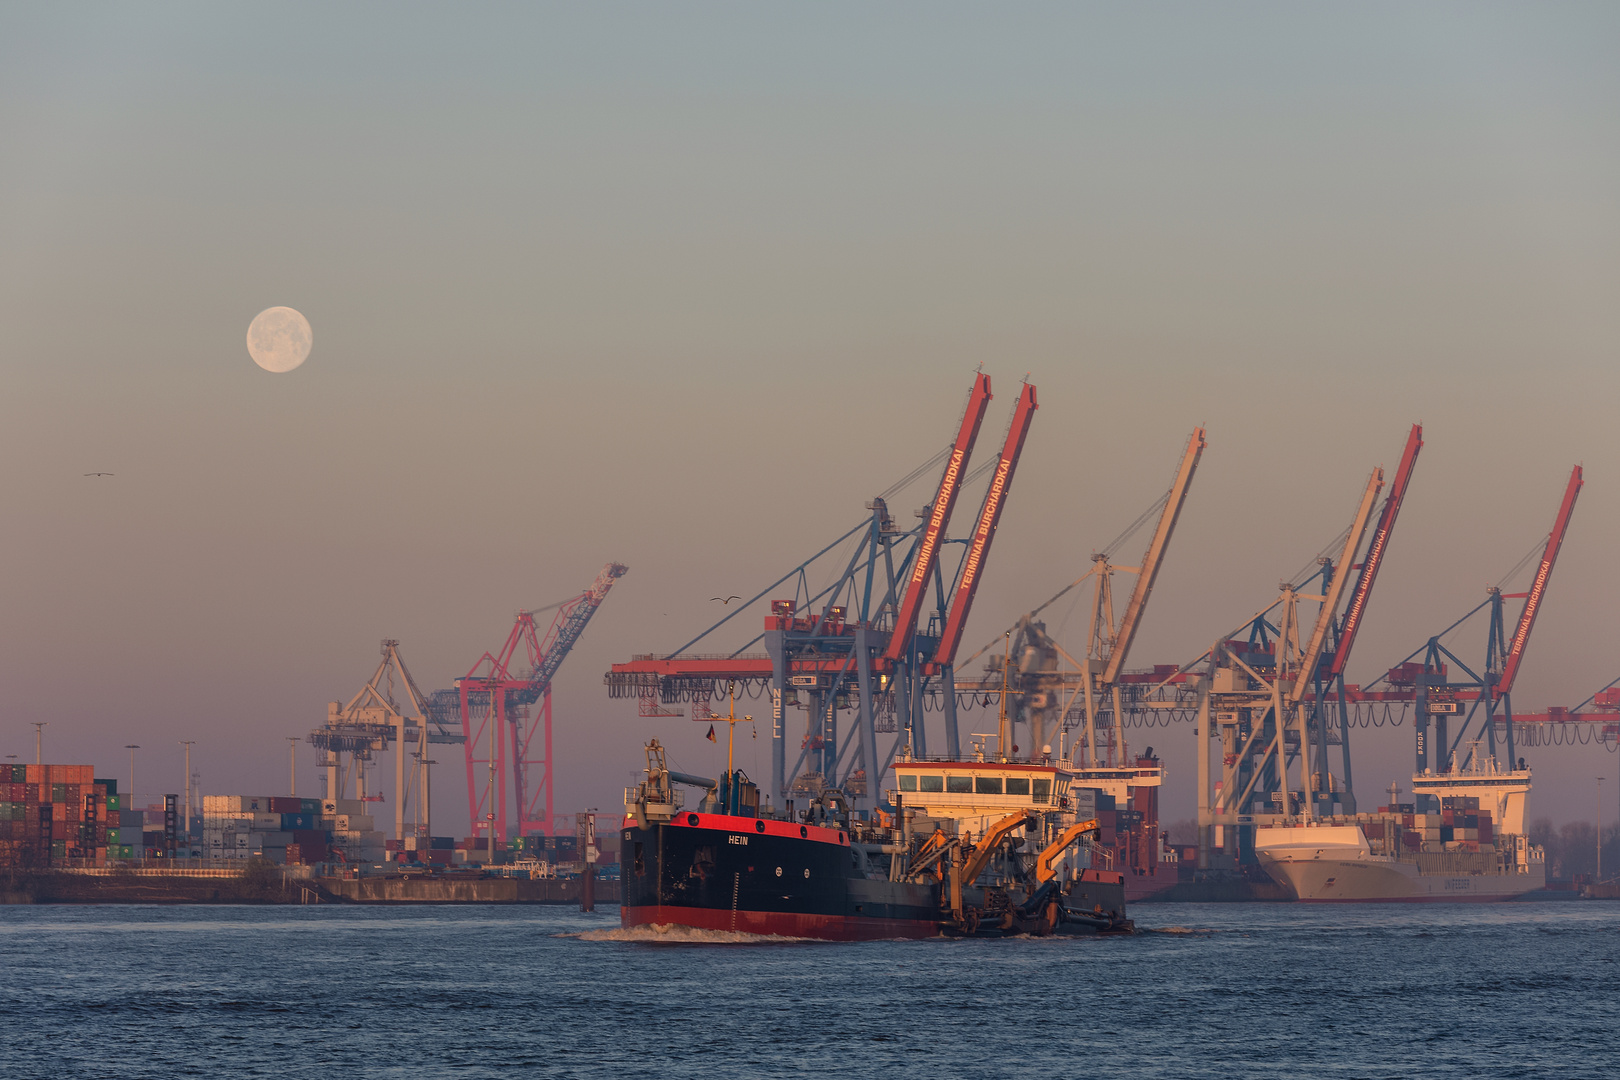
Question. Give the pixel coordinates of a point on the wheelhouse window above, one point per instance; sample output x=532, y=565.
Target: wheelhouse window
x=932, y=783
x=1018, y=785
x=1043, y=790
x=908, y=781
x=987, y=785
x=959, y=784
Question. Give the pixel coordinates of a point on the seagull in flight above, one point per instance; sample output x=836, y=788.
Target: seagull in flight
x=726, y=601
x=98, y=474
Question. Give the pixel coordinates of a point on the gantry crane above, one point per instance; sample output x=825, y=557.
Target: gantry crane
x=1350, y=624
x=1438, y=695
x=1258, y=699
x=950, y=485
x=1045, y=689
x=494, y=702
x=1108, y=648
x=1574, y=727
x=855, y=646
x=372, y=720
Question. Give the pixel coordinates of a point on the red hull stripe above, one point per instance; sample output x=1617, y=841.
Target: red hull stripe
x=781, y=923
x=755, y=827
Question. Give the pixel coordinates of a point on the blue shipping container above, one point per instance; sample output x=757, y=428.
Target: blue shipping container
x=295, y=822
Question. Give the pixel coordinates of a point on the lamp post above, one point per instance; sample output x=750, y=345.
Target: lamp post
x=132, y=747
x=39, y=741
x=292, y=765
x=1599, y=875
x=187, y=743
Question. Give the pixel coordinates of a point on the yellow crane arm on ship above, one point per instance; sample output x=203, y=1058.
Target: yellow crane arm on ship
x=1043, y=864
x=930, y=857
x=979, y=857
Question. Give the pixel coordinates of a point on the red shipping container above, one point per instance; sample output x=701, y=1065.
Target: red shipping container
x=286, y=805
x=1374, y=830
x=1412, y=840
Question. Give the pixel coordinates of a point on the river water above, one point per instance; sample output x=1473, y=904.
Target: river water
x=1233, y=990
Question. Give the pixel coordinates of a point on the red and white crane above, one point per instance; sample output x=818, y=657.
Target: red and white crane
x=939, y=518
x=995, y=498
x=1538, y=586
x=496, y=703
x=1374, y=558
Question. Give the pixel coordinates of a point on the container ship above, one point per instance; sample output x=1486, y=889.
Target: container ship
x=1473, y=849
x=981, y=848
x=1125, y=801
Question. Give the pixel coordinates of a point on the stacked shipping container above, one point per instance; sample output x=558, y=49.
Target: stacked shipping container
x=285, y=829
x=1459, y=826
x=58, y=812
x=281, y=829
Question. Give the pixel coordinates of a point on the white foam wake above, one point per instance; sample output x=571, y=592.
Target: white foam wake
x=674, y=934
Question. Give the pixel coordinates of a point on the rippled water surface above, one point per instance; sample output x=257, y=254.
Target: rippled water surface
x=1526, y=989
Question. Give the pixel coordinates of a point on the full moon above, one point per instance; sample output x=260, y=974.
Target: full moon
x=278, y=339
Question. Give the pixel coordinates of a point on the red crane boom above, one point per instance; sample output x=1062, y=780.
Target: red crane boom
x=1375, y=550
x=950, y=485
x=1538, y=588
x=989, y=515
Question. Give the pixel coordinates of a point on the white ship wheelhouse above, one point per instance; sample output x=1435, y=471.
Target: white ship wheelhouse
x=972, y=790
x=1502, y=793
x=1118, y=780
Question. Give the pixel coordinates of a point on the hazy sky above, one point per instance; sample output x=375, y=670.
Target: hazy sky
x=686, y=288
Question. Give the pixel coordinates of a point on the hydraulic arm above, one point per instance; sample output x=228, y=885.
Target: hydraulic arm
x=1043, y=864
x=979, y=857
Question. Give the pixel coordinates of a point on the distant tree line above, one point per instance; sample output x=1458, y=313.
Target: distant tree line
x=1572, y=848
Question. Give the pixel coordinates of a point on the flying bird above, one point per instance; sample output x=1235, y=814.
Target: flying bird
x=726, y=601
x=98, y=474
